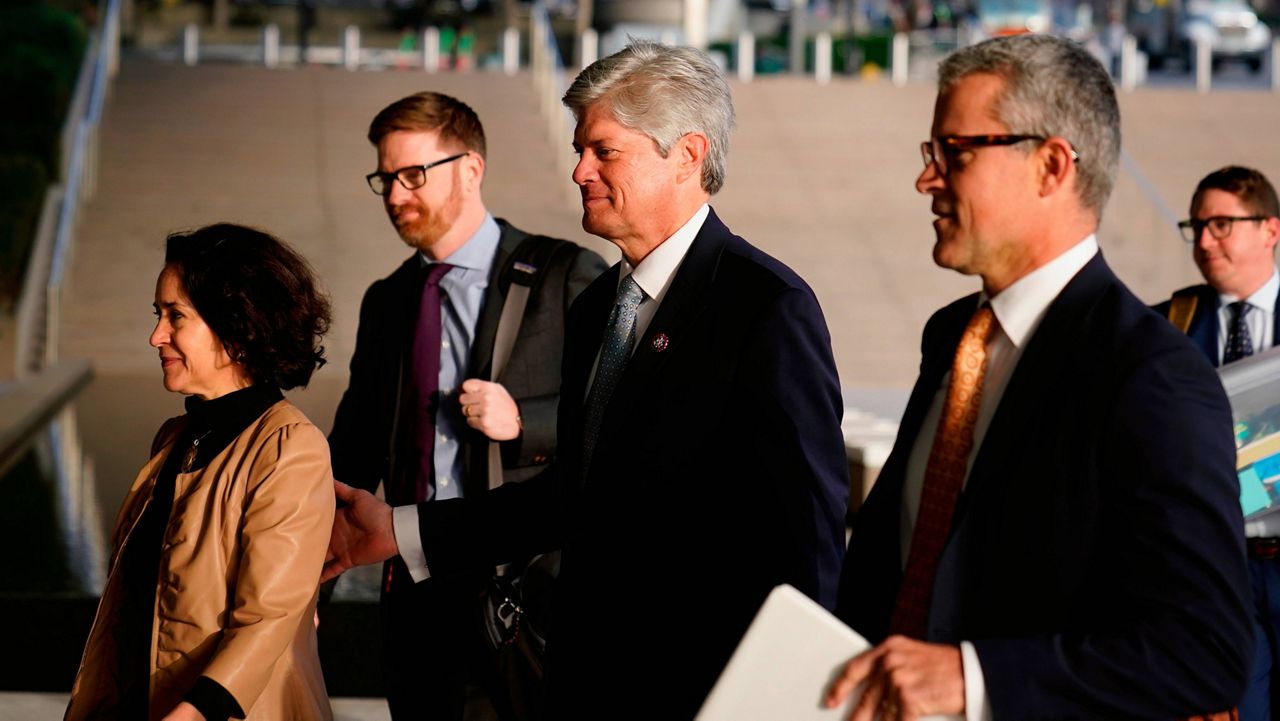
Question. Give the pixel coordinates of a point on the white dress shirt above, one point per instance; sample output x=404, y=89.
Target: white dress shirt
x=1261, y=317
x=653, y=275
x=1018, y=310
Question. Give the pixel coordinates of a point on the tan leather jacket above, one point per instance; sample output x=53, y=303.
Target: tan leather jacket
x=237, y=588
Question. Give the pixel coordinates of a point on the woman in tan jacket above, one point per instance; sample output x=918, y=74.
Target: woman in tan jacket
x=209, y=603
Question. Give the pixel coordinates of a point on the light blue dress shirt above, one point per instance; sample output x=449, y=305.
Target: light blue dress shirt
x=463, y=289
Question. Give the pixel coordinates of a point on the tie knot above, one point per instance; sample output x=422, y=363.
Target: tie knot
x=980, y=325
x=436, y=271
x=1239, y=308
x=629, y=293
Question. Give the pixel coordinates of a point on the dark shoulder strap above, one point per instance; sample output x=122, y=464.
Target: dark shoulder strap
x=523, y=275
x=531, y=257
x=1182, y=308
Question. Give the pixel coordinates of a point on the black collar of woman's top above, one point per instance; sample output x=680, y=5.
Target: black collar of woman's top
x=215, y=423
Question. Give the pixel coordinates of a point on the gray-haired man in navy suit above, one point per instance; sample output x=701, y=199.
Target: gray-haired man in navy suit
x=701, y=461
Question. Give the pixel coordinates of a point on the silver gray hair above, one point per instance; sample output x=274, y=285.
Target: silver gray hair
x=666, y=93
x=1053, y=87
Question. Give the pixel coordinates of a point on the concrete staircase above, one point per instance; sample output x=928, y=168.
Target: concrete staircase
x=821, y=177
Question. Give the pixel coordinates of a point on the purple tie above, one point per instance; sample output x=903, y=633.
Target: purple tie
x=426, y=383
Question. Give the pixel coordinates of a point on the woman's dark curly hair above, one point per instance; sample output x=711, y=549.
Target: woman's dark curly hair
x=258, y=296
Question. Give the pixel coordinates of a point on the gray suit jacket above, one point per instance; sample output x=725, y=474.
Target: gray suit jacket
x=367, y=432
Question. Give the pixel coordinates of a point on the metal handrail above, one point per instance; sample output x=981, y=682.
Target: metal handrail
x=39, y=405
x=37, y=311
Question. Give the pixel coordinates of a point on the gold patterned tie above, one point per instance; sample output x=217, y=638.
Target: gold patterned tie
x=944, y=476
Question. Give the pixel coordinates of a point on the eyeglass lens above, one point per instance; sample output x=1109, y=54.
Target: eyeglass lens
x=1219, y=227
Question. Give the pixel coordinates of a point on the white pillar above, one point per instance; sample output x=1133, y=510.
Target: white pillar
x=271, y=45
x=431, y=49
x=1273, y=62
x=746, y=58
x=1128, y=63
x=695, y=23
x=510, y=51
x=899, y=61
x=822, y=58
x=1204, y=66
x=588, y=48
x=351, y=47
x=190, y=44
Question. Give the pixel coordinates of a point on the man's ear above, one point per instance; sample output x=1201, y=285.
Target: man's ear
x=1271, y=227
x=473, y=170
x=690, y=151
x=1057, y=165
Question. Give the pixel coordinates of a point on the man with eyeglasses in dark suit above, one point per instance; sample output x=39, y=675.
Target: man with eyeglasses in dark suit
x=425, y=408
x=1057, y=532
x=1233, y=231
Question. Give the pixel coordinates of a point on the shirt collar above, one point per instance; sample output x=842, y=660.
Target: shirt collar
x=1264, y=297
x=655, y=272
x=479, y=250
x=1020, y=307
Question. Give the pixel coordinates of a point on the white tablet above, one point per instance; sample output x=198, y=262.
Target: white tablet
x=786, y=660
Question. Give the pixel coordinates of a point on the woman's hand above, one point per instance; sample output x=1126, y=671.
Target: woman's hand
x=184, y=712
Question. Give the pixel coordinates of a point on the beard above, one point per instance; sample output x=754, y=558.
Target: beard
x=431, y=224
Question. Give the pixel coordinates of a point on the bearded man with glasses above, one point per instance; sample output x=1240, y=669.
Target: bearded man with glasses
x=1233, y=231
x=428, y=414
x=1056, y=533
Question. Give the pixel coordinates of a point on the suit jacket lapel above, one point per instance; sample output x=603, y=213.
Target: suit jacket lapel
x=683, y=302
x=1275, y=317
x=685, y=299
x=1051, y=352
x=588, y=317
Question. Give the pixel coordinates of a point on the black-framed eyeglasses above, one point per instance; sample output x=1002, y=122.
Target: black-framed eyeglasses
x=411, y=177
x=1219, y=226
x=941, y=151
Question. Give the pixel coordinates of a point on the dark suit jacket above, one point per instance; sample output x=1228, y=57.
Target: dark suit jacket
x=1096, y=558
x=1203, y=330
x=719, y=473
x=364, y=441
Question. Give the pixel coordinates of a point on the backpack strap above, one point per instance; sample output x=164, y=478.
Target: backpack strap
x=1182, y=308
x=523, y=275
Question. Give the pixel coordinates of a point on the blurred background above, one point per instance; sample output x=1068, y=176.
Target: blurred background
x=125, y=120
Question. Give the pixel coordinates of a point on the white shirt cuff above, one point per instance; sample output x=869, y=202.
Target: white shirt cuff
x=976, y=707
x=404, y=519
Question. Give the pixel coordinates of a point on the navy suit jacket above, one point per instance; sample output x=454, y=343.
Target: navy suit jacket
x=1096, y=558
x=1203, y=330
x=719, y=473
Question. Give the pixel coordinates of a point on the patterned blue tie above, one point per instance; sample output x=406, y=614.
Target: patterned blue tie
x=1239, y=343
x=615, y=351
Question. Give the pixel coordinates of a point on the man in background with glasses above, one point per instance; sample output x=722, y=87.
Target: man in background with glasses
x=1233, y=230
x=1056, y=533
x=424, y=407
